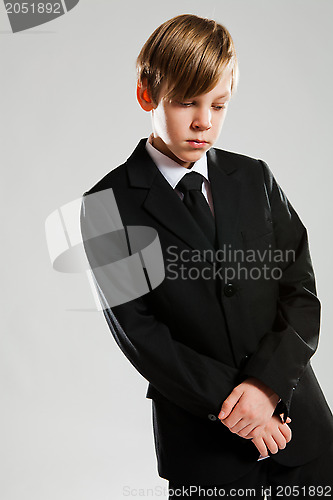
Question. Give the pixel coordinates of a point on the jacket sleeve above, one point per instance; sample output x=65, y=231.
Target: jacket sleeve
x=194, y=381
x=286, y=349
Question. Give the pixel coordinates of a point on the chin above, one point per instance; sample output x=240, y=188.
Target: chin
x=189, y=157
x=195, y=156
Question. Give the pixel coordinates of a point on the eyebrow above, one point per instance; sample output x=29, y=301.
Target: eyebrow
x=227, y=94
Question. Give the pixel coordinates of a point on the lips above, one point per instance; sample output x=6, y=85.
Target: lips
x=197, y=141
x=196, y=144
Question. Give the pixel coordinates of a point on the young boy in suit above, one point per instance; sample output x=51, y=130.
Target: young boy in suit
x=226, y=338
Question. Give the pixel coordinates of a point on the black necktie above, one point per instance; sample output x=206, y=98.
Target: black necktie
x=195, y=201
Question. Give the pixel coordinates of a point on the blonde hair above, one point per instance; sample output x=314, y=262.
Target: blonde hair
x=189, y=54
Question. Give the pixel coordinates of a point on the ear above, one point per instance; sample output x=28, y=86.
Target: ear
x=143, y=96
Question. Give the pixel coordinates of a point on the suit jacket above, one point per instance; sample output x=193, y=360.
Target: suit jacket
x=195, y=339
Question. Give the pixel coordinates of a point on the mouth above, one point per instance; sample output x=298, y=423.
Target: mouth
x=201, y=141
x=197, y=143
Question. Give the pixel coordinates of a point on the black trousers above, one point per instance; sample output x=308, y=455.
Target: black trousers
x=270, y=479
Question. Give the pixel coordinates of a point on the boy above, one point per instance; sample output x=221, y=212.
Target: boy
x=225, y=340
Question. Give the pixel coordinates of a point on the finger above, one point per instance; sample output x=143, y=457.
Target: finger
x=261, y=447
x=238, y=427
x=247, y=432
x=279, y=439
x=233, y=419
x=229, y=403
x=286, y=431
x=288, y=418
x=271, y=444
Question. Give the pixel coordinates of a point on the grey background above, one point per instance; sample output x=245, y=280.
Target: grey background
x=74, y=420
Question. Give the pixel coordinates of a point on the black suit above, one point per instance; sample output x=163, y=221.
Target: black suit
x=195, y=339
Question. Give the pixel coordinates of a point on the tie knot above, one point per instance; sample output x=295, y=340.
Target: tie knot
x=191, y=181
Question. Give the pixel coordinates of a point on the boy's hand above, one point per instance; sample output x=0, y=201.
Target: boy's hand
x=274, y=436
x=251, y=404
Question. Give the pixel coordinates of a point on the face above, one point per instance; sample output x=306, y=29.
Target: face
x=184, y=131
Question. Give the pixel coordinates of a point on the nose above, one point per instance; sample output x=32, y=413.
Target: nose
x=202, y=119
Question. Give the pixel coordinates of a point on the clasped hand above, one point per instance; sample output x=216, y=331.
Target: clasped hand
x=248, y=412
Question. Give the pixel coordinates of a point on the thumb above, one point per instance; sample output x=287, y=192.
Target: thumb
x=229, y=404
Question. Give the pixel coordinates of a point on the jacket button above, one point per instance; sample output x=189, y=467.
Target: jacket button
x=212, y=417
x=229, y=290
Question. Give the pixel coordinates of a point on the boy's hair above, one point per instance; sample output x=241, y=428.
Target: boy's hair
x=189, y=54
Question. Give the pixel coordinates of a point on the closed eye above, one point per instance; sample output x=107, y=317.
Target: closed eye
x=188, y=104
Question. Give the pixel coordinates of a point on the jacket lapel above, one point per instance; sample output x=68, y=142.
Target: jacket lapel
x=226, y=194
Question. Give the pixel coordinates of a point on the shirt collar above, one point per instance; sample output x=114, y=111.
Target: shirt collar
x=171, y=170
